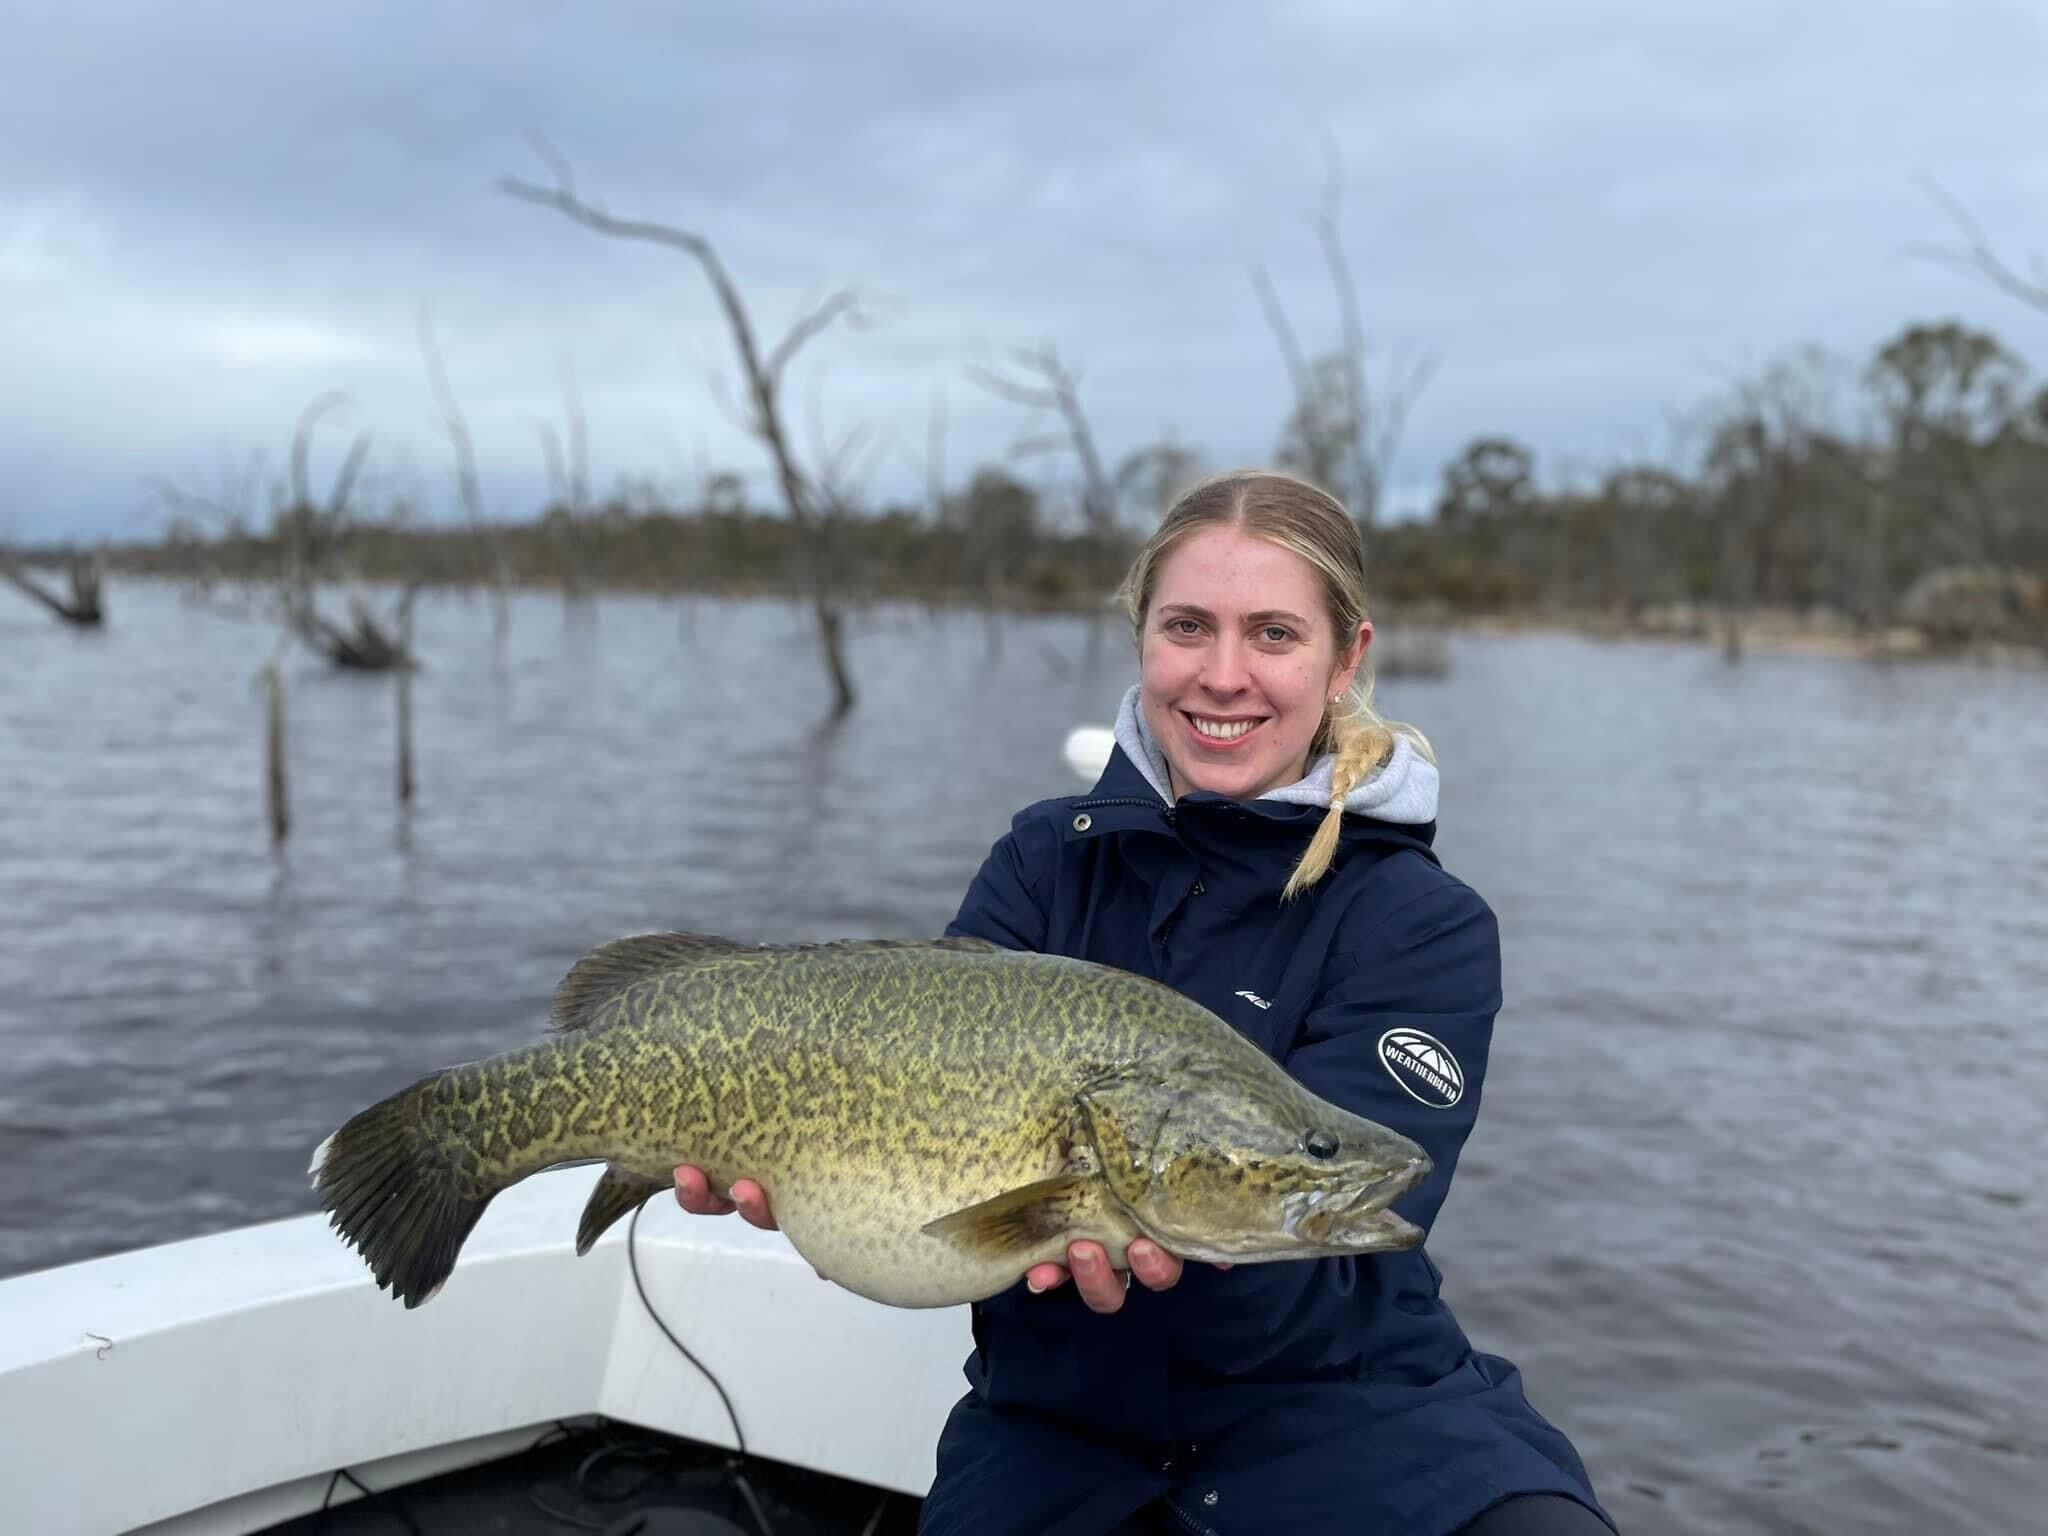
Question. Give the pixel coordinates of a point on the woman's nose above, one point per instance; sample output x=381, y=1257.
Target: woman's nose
x=1223, y=668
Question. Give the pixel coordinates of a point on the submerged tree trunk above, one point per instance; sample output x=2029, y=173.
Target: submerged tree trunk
x=83, y=608
x=404, y=685
x=275, y=803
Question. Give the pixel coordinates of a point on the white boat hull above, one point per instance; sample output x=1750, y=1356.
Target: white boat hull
x=214, y=1385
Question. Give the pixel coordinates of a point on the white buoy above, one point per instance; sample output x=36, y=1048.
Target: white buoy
x=1088, y=748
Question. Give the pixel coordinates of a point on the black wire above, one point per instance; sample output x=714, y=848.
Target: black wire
x=633, y=1262
x=386, y=1504
x=562, y=1516
x=734, y=1464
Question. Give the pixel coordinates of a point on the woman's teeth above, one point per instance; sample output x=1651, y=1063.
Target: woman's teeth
x=1222, y=730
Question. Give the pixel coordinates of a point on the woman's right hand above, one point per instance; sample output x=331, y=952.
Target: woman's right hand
x=693, y=1194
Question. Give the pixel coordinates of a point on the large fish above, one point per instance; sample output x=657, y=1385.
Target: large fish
x=928, y=1118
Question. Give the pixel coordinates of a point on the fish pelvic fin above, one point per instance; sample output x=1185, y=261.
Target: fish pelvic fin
x=616, y=1194
x=395, y=1196
x=611, y=968
x=1019, y=1220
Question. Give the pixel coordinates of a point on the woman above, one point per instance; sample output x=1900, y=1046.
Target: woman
x=1260, y=840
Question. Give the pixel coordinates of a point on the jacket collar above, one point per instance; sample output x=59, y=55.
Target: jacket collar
x=1125, y=799
x=1402, y=790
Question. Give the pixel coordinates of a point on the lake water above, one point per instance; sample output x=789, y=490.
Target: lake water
x=1759, y=1199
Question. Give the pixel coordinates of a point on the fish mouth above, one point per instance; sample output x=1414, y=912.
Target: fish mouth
x=1360, y=1222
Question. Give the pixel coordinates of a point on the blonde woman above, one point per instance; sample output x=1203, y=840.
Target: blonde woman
x=1260, y=840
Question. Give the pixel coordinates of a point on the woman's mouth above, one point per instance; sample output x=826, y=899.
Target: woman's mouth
x=1221, y=732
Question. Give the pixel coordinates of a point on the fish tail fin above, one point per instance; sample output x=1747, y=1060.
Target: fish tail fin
x=391, y=1189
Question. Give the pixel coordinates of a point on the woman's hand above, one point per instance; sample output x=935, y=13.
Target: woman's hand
x=1102, y=1287
x=693, y=1194
x=1088, y=1266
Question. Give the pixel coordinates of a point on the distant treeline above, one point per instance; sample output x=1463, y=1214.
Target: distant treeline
x=998, y=546
x=1867, y=493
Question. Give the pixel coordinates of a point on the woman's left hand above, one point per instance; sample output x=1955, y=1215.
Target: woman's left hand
x=1102, y=1286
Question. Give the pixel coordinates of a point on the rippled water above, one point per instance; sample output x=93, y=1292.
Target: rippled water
x=1759, y=1199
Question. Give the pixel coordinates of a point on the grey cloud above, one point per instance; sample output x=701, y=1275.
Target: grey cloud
x=213, y=212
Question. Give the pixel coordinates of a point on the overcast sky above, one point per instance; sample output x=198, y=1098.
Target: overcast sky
x=1586, y=211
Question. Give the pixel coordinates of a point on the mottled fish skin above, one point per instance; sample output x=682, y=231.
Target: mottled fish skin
x=874, y=1089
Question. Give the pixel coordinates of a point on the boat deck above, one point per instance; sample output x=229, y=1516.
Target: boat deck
x=609, y=1477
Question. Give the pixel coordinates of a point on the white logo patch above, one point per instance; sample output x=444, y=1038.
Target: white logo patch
x=1254, y=999
x=1424, y=1067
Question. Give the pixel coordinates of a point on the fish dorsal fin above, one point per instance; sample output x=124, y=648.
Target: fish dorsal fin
x=609, y=969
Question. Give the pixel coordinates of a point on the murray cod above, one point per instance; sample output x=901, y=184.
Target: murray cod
x=928, y=1118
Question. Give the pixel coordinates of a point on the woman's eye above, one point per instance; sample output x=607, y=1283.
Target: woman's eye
x=1275, y=635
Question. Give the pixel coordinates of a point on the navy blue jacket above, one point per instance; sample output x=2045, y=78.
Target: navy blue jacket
x=1334, y=1395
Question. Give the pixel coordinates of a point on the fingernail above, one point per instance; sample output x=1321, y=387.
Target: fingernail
x=1034, y=1287
x=1085, y=1261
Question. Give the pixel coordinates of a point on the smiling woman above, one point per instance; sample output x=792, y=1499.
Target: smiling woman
x=1260, y=841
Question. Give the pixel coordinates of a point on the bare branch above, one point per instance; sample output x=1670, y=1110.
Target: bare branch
x=1060, y=392
x=1365, y=472
x=846, y=301
x=467, y=483
x=1401, y=398
x=579, y=439
x=302, y=435
x=557, y=162
x=551, y=452
x=1283, y=333
x=1976, y=257
x=1032, y=447
x=935, y=457
x=1009, y=389
x=345, y=477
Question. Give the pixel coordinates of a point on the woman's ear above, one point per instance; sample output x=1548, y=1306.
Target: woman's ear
x=1352, y=658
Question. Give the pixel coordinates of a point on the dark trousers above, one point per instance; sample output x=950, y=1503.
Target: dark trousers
x=1527, y=1514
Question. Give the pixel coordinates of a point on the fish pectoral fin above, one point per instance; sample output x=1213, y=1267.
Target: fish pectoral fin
x=617, y=1193
x=609, y=969
x=1019, y=1220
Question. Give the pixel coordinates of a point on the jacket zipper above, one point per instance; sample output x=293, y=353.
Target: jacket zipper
x=1189, y=1520
x=1089, y=805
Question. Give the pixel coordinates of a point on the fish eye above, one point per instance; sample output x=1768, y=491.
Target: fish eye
x=1319, y=1144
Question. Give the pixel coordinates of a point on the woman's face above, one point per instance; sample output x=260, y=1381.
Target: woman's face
x=1238, y=660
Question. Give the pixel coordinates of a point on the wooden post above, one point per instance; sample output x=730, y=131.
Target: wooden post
x=275, y=801
x=404, y=684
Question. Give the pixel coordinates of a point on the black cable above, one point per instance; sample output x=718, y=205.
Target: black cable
x=734, y=1464
x=633, y=1262
x=386, y=1503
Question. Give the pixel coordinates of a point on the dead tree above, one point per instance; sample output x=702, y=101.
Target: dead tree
x=569, y=482
x=83, y=607
x=1050, y=385
x=763, y=375
x=1339, y=434
x=468, y=484
x=277, y=578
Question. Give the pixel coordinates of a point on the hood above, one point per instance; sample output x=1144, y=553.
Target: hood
x=1402, y=790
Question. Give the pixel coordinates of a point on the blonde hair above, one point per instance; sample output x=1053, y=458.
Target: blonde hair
x=1308, y=522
